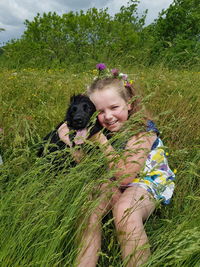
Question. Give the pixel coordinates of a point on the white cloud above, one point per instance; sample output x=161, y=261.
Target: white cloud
x=114, y=5
x=12, y=32
x=154, y=7
x=14, y=12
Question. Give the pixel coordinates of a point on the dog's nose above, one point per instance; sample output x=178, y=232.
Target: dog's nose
x=78, y=120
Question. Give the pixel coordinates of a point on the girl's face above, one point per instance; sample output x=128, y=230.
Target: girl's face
x=113, y=109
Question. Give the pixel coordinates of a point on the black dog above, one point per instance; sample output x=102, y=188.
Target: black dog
x=77, y=117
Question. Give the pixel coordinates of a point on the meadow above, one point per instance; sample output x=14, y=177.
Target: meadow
x=41, y=212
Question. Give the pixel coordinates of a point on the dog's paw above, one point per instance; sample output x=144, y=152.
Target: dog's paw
x=80, y=137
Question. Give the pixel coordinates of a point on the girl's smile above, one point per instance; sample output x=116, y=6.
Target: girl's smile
x=113, y=109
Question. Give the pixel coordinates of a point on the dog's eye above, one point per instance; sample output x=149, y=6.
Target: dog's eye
x=74, y=109
x=85, y=107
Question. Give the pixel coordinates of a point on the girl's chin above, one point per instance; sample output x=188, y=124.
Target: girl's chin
x=114, y=128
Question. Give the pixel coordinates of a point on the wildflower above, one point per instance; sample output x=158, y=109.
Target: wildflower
x=104, y=72
x=175, y=171
x=101, y=66
x=167, y=154
x=131, y=81
x=115, y=72
x=123, y=76
x=127, y=84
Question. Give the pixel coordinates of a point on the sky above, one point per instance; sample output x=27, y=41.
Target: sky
x=13, y=13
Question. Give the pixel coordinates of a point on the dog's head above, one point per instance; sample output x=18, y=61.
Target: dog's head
x=79, y=112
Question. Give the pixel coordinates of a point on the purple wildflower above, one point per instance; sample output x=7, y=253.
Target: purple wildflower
x=127, y=84
x=115, y=72
x=101, y=66
x=124, y=77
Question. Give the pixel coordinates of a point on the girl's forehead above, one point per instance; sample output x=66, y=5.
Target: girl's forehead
x=106, y=98
x=107, y=93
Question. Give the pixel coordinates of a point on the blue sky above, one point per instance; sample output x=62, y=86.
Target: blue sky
x=14, y=12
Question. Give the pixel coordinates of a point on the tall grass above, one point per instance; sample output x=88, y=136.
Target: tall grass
x=42, y=211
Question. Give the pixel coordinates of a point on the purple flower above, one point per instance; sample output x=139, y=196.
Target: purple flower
x=101, y=66
x=127, y=84
x=115, y=72
x=124, y=77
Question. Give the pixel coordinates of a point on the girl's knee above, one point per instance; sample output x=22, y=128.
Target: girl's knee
x=131, y=210
x=126, y=218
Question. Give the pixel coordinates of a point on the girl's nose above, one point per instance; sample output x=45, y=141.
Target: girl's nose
x=107, y=115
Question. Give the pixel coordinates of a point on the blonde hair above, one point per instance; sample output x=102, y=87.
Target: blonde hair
x=128, y=93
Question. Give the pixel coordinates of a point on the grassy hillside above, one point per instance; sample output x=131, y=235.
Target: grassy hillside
x=41, y=212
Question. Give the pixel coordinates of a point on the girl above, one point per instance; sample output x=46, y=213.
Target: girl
x=143, y=176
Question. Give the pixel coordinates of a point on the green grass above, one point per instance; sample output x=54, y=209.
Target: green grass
x=41, y=212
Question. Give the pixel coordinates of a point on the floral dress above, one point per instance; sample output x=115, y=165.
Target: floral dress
x=156, y=176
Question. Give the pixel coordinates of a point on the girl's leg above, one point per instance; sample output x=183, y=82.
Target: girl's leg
x=91, y=239
x=132, y=209
x=91, y=243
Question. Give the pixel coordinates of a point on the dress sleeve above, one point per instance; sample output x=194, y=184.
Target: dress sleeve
x=151, y=126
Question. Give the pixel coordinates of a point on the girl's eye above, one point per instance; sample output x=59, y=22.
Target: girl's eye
x=114, y=107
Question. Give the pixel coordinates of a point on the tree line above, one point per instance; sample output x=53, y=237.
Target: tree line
x=50, y=40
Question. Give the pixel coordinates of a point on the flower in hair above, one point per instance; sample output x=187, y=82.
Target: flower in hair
x=103, y=72
x=115, y=72
x=101, y=66
x=123, y=76
x=127, y=84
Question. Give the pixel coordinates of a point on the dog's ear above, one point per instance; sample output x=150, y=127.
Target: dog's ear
x=68, y=118
x=72, y=99
x=67, y=114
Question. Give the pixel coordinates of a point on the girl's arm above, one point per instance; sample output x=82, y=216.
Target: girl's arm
x=63, y=132
x=133, y=159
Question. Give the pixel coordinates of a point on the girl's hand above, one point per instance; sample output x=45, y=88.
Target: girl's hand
x=78, y=155
x=63, y=132
x=110, y=194
x=99, y=138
